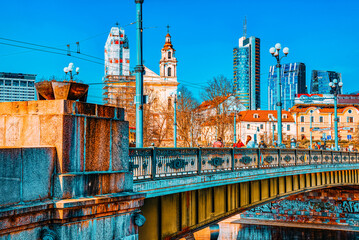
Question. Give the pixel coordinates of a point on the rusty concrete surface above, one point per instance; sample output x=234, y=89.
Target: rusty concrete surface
x=64, y=166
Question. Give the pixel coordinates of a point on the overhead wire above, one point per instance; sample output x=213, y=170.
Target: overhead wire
x=43, y=50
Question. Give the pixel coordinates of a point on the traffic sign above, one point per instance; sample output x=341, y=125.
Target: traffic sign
x=329, y=137
x=349, y=137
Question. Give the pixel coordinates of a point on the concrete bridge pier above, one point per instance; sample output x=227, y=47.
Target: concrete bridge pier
x=64, y=172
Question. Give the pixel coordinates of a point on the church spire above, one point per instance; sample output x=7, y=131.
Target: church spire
x=168, y=62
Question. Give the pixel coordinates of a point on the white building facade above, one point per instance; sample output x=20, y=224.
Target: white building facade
x=17, y=87
x=117, y=53
x=263, y=124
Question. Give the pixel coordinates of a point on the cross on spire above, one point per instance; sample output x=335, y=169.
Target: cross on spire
x=168, y=28
x=116, y=24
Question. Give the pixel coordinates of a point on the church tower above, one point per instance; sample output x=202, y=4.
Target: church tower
x=168, y=62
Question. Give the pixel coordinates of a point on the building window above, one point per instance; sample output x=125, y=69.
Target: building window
x=274, y=127
x=248, y=126
x=285, y=116
x=350, y=111
x=350, y=119
x=351, y=130
x=270, y=116
x=169, y=55
x=288, y=127
x=169, y=72
x=321, y=119
x=312, y=119
x=302, y=129
x=261, y=126
x=255, y=115
x=302, y=119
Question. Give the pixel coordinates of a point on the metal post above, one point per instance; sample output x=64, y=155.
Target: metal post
x=234, y=128
x=336, y=122
x=191, y=129
x=154, y=164
x=232, y=159
x=310, y=129
x=199, y=161
x=273, y=134
x=139, y=78
x=175, y=122
x=279, y=106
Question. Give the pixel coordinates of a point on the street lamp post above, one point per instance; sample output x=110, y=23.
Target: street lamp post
x=310, y=128
x=275, y=53
x=70, y=69
x=175, y=119
x=336, y=89
x=271, y=123
x=234, y=127
x=139, y=69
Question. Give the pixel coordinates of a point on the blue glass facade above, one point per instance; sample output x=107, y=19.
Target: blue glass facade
x=292, y=80
x=241, y=74
x=246, y=72
x=320, y=81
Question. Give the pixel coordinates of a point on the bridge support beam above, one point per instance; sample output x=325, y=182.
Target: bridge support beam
x=174, y=215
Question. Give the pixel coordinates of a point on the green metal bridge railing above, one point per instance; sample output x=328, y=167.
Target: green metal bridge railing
x=156, y=163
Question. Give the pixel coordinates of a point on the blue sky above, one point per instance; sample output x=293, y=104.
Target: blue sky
x=322, y=34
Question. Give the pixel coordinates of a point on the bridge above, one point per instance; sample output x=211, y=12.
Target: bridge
x=67, y=172
x=191, y=188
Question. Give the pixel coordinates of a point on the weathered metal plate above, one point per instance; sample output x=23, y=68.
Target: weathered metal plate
x=61, y=89
x=51, y=90
x=45, y=90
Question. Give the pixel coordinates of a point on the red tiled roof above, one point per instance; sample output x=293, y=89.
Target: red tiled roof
x=263, y=116
x=248, y=116
x=323, y=108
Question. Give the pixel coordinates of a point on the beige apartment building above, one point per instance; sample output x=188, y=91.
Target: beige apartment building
x=322, y=118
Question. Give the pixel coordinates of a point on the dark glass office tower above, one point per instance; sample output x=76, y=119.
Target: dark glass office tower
x=321, y=79
x=246, y=72
x=293, y=82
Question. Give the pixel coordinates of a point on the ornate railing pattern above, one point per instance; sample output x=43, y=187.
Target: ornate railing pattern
x=152, y=163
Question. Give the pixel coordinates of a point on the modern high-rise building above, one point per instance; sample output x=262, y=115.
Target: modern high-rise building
x=246, y=72
x=17, y=87
x=320, y=81
x=293, y=83
x=117, y=53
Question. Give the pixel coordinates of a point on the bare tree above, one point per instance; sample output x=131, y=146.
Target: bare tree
x=157, y=127
x=186, y=103
x=218, y=90
x=217, y=87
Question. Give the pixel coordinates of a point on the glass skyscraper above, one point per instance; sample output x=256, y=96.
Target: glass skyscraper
x=17, y=87
x=246, y=72
x=320, y=81
x=292, y=80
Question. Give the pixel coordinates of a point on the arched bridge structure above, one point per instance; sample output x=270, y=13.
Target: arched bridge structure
x=190, y=188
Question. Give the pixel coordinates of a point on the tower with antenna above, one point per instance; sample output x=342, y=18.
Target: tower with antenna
x=246, y=70
x=245, y=28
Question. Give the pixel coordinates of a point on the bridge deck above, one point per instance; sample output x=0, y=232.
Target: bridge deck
x=159, y=163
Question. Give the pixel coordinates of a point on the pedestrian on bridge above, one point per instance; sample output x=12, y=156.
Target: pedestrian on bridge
x=218, y=143
x=250, y=143
x=262, y=144
x=239, y=144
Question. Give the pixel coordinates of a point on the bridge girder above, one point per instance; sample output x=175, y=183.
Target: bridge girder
x=175, y=215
